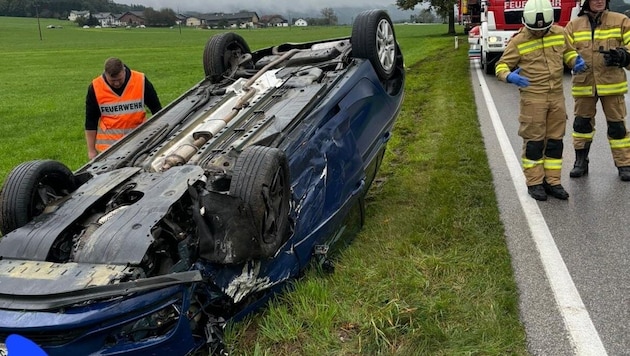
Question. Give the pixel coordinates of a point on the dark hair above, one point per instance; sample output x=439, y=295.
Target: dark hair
x=113, y=66
x=587, y=8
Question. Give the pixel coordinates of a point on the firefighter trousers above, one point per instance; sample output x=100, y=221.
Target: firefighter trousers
x=543, y=120
x=614, y=108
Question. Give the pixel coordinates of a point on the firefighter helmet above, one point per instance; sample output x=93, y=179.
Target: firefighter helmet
x=538, y=14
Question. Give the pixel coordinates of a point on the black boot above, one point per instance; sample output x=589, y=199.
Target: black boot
x=556, y=191
x=580, y=167
x=537, y=192
x=624, y=173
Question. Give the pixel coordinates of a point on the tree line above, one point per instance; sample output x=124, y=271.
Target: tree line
x=60, y=9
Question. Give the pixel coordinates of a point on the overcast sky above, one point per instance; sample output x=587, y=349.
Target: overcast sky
x=261, y=6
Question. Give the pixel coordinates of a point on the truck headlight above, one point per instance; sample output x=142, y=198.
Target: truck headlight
x=494, y=39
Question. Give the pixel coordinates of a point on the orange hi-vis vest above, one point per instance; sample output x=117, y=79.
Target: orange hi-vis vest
x=119, y=114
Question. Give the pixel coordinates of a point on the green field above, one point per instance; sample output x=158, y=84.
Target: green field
x=424, y=277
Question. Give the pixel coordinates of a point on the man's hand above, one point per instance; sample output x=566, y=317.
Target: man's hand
x=579, y=65
x=517, y=79
x=618, y=57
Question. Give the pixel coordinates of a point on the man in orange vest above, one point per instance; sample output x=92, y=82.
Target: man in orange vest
x=115, y=105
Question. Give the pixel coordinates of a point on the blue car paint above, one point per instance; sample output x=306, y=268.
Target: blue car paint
x=328, y=159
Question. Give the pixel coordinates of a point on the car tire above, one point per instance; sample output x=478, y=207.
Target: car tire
x=222, y=54
x=373, y=38
x=490, y=68
x=29, y=188
x=261, y=179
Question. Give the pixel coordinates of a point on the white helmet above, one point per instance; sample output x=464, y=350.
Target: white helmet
x=538, y=15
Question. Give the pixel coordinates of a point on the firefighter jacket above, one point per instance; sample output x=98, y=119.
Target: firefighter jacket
x=120, y=114
x=541, y=59
x=607, y=31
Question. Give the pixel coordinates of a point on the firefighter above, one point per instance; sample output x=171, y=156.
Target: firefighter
x=601, y=37
x=114, y=105
x=534, y=61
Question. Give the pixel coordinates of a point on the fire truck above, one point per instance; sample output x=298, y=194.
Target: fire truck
x=501, y=19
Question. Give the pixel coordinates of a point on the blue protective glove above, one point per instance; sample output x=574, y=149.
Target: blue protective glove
x=579, y=65
x=517, y=79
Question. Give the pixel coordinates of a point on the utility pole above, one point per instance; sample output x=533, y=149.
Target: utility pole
x=38, y=24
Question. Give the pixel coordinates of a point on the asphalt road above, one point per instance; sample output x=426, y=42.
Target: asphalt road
x=571, y=259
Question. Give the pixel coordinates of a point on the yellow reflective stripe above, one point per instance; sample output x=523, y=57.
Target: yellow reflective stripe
x=545, y=42
x=588, y=135
x=581, y=36
x=502, y=67
x=569, y=56
x=553, y=163
x=582, y=91
x=530, y=46
x=607, y=34
x=608, y=89
x=553, y=40
x=622, y=143
x=626, y=38
x=528, y=163
x=114, y=131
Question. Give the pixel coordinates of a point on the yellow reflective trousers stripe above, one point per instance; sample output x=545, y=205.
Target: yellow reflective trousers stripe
x=622, y=143
x=528, y=163
x=553, y=163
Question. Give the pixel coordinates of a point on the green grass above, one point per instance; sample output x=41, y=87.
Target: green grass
x=430, y=272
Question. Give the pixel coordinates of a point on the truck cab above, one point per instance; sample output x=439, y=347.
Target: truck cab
x=501, y=19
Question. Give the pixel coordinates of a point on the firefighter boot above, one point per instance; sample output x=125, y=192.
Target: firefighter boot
x=556, y=191
x=624, y=173
x=537, y=192
x=580, y=167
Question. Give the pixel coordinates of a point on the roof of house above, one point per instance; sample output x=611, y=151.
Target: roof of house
x=233, y=16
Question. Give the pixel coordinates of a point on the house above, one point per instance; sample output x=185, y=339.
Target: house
x=301, y=23
x=181, y=19
x=74, y=15
x=243, y=19
x=107, y=19
x=273, y=21
x=193, y=21
x=132, y=18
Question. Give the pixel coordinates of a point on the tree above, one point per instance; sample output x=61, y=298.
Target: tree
x=163, y=18
x=329, y=16
x=444, y=9
x=426, y=16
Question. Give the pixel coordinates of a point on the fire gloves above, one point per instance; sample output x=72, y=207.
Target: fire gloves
x=517, y=79
x=579, y=65
x=618, y=57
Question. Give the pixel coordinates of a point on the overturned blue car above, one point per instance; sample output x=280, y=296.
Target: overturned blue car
x=199, y=215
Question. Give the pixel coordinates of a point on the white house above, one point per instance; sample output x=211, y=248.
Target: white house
x=300, y=23
x=193, y=21
x=107, y=19
x=74, y=15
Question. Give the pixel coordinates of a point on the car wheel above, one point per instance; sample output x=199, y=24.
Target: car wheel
x=222, y=54
x=261, y=179
x=373, y=39
x=29, y=188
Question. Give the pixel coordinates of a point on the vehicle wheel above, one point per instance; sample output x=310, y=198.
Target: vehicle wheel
x=489, y=64
x=29, y=188
x=373, y=38
x=261, y=178
x=222, y=54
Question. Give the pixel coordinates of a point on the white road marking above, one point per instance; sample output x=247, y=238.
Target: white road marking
x=582, y=333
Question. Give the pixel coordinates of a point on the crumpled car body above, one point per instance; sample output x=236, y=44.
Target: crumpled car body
x=202, y=213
